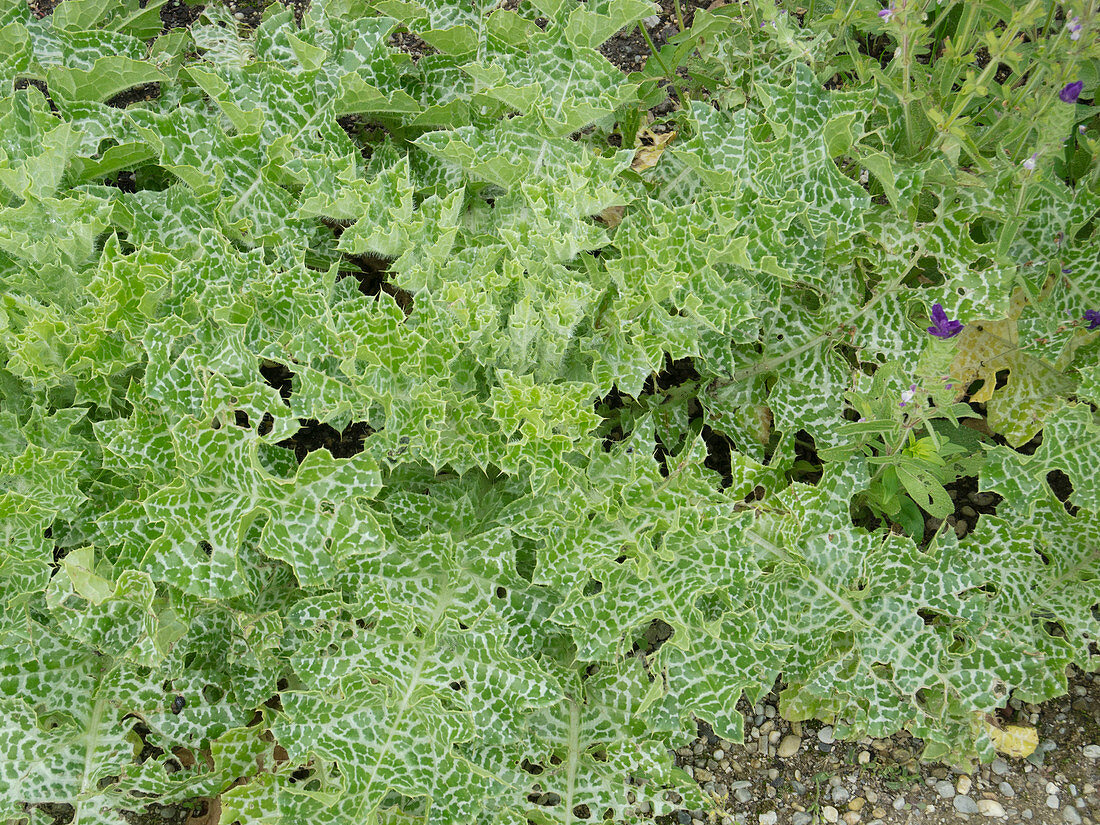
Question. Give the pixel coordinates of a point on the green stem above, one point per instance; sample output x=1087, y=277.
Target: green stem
x=664, y=68
x=679, y=15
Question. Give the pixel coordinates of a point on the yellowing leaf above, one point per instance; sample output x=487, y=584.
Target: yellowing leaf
x=1034, y=389
x=650, y=149
x=1018, y=741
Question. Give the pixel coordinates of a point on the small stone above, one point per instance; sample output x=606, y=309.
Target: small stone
x=167, y=812
x=961, y=528
x=801, y=818
x=991, y=808
x=851, y=818
x=1051, y=788
x=652, y=20
x=683, y=817
x=743, y=795
x=965, y=805
x=239, y=15
x=901, y=755
x=878, y=813
x=789, y=746
x=1070, y=815
x=1091, y=751
x=769, y=711
x=830, y=814
x=1006, y=789
x=773, y=773
x=769, y=818
x=899, y=804
x=840, y=795
x=1052, y=802
x=703, y=775
x=857, y=804
x=719, y=755
x=945, y=789
x=963, y=785
x=1027, y=813
x=826, y=736
x=999, y=767
x=864, y=757
x=872, y=797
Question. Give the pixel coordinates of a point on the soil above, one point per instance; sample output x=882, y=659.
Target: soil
x=881, y=781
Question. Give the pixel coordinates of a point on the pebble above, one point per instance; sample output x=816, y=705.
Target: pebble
x=864, y=757
x=826, y=736
x=1070, y=815
x=945, y=789
x=857, y=804
x=1051, y=788
x=719, y=755
x=999, y=767
x=743, y=795
x=652, y=20
x=965, y=805
x=789, y=746
x=769, y=818
x=830, y=814
x=1006, y=789
x=840, y=795
x=801, y=818
x=963, y=785
x=991, y=808
x=1052, y=802
x=899, y=803
x=1091, y=751
x=851, y=818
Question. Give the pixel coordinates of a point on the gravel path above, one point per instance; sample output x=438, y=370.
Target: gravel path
x=799, y=774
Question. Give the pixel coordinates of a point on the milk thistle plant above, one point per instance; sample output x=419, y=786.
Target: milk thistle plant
x=364, y=417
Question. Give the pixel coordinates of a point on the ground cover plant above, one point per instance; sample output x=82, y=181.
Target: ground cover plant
x=438, y=440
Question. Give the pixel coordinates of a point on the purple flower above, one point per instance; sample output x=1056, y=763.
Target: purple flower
x=1093, y=317
x=886, y=14
x=1073, y=26
x=1029, y=164
x=941, y=326
x=1071, y=91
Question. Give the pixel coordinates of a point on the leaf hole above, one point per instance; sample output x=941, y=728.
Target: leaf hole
x=458, y=686
x=582, y=812
x=593, y=587
x=928, y=617
x=207, y=548
x=883, y=671
x=501, y=593
x=531, y=767
x=1062, y=488
x=212, y=694
x=301, y=775
x=1055, y=630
